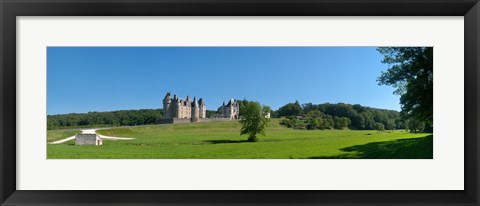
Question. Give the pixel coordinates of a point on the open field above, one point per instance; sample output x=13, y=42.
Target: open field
x=221, y=140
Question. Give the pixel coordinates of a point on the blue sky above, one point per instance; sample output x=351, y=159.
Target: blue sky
x=83, y=79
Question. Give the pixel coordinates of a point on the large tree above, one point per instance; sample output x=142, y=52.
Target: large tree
x=415, y=126
x=410, y=72
x=253, y=121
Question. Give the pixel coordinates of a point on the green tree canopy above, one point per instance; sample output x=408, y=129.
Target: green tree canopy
x=341, y=122
x=290, y=109
x=411, y=74
x=379, y=127
x=113, y=118
x=253, y=121
x=414, y=125
x=243, y=104
x=322, y=116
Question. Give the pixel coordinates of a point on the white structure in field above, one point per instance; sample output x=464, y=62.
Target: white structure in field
x=88, y=139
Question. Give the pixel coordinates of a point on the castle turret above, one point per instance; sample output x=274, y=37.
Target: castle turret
x=167, y=102
x=203, y=108
x=167, y=96
x=195, y=110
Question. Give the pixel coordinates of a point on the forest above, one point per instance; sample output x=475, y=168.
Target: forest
x=338, y=116
x=113, y=118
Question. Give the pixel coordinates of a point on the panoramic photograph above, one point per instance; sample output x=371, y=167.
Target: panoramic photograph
x=239, y=103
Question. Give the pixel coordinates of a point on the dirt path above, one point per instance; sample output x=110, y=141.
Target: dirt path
x=90, y=131
x=62, y=140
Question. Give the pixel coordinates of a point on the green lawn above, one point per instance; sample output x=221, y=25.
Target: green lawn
x=54, y=135
x=221, y=140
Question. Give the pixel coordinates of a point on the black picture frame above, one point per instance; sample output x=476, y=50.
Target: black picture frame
x=10, y=9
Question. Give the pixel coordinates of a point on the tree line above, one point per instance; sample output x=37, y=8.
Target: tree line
x=338, y=116
x=112, y=118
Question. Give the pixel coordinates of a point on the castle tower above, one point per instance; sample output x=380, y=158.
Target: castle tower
x=195, y=110
x=203, y=108
x=188, y=108
x=167, y=101
x=176, y=107
x=231, y=110
x=236, y=110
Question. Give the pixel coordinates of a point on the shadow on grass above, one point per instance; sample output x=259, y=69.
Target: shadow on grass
x=411, y=148
x=225, y=141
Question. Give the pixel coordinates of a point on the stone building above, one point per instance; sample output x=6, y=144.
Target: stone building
x=88, y=139
x=177, y=108
x=230, y=110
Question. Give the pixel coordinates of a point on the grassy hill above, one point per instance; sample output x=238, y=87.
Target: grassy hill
x=222, y=140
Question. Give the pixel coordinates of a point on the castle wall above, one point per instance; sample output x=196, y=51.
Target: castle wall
x=180, y=121
x=214, y=119
x=185, y=121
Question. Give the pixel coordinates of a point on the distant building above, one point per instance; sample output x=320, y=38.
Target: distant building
x=177, y=108
x=230, y=110
x=88, y=139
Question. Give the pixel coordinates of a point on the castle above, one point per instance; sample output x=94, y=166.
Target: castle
x=229, y=111
x=177, y=110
